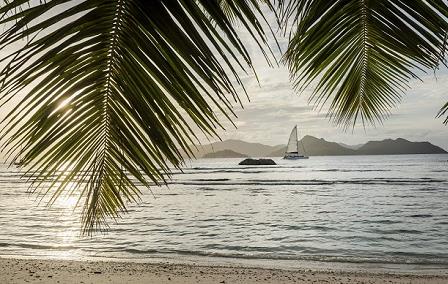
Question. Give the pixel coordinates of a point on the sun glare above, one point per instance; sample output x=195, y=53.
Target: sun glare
x=64, y=103
x=68, y=202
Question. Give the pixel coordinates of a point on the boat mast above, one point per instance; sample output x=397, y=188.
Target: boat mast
x=297, y=141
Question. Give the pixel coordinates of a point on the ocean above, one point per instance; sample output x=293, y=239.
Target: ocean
x=372, y=211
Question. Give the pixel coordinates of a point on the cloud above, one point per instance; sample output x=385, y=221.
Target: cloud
x=274, y=108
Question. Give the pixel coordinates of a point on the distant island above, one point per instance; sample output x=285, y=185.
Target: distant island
x=316, y=147
x=224, y=154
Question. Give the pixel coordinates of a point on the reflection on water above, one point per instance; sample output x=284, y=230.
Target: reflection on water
x=66, y=203
x=372, y=209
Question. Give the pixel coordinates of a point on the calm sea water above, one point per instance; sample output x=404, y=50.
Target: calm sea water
x=362, y=209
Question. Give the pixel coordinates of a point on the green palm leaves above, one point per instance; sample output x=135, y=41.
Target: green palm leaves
x=362, y=53
x=444, y=111
x=106, y=94
x=111, y=88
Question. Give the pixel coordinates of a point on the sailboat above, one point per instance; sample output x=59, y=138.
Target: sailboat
x=292, y=150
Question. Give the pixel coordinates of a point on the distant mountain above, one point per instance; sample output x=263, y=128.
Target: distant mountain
x=224, y=154
x=238, y=146
x=319, y=147
x=398, y=146
x=353, y=147
x=313, y=146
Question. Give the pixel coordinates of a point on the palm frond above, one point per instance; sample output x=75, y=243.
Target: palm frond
x=444, y=111
x=362, y=53
x=232, y=11
x=108, y=90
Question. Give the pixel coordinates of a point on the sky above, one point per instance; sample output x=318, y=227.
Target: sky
x=275, y=108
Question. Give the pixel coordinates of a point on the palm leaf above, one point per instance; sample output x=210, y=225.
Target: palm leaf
x=109, y=89
x=362, y=53
x=444, y=111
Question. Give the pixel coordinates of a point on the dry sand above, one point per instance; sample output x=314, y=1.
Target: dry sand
x=55, y=271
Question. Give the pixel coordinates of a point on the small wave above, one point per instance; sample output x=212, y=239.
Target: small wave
x=38, y=246
x=239, y=171
x=431, y=189
x=140, y=251
x=214, y=189
x=211, y=179
x=421, y=216
x=352, y=170
x=396, y=231
x=310, y=254
x=385, y=221
x=375, y=181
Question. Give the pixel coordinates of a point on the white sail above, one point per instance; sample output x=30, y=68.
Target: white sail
x=292, y=143
x=292, y=151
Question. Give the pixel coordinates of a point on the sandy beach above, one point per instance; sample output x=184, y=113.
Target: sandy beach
x=61, y=271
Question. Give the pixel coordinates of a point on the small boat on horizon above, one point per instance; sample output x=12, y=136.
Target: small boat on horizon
x=292, y=150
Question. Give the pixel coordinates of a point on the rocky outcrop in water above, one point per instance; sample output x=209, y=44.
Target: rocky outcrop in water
x=257, y=162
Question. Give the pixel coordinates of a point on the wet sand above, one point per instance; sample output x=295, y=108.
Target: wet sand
x=57, y=271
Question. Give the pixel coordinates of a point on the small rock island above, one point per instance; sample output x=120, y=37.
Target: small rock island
x=256, y=162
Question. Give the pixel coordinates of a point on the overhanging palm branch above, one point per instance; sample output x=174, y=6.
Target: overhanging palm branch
x=362, y=53
x=108, y=89
x=444, y=111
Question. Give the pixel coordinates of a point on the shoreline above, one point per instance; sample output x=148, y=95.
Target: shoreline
x=259, y=263
x=15, y=270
